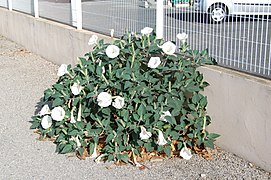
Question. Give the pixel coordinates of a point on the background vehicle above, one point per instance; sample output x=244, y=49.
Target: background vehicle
x=175, y=2
x=220, y=9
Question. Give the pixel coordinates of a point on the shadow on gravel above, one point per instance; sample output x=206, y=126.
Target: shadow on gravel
x=39, y=105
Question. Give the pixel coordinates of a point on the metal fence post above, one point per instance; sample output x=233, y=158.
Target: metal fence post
x=10, y=5
x=36, y=8
x=160, y=19
x=76, y=6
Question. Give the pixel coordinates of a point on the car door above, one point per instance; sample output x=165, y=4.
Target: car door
x=252, y=7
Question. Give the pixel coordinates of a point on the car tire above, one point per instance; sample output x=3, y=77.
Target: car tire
x=218, y=13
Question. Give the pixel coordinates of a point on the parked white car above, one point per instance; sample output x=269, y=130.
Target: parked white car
x=220, y=9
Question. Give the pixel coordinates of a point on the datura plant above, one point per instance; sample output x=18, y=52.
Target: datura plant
x=130, y=100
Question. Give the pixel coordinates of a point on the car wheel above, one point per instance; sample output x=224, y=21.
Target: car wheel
x=218, y=13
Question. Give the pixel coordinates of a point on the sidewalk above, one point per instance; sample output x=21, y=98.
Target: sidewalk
x=24, y=77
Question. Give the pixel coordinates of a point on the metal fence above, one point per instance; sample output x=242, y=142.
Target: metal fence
x=237, y=33
x=241, y=40
x=59, y=11
x=120, y=15
x=26, y=6
x=4, y=3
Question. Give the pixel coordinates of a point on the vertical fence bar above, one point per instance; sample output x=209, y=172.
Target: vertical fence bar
x=36, y=8
x=79, y=14
x=10, y=5
x=76, y=8
x=160, y=19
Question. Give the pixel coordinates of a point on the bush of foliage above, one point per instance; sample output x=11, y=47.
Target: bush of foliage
x=133, y=97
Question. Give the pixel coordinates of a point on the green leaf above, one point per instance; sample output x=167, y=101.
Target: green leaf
x=88, y=127
x=106, y=111
x=192, y=107
x=209, y=143
x=81, y=151
x=167, y=150
x=125, y=115
x=109, y=138
x=199, y=141
x=75, y=101
x=213, y=136
x=59, y=147
x=128, y=84
x=174, y=135
x=196, y=98
x=126, y=76
x=179, y=145
x=58, y=87
x=203, y=102
x=136, y=117
x=175, y=103
x=205, y=84
x=190, y=135
x=141, y=110
x=106, y=122
x=58, y=102
x=35, y=125
x=73, y=132
x=110, y=157
x=47, y=94
x=148, y=147
x=67, y=148
x=123, y=157
x=204, y=52
x=60, y=138
x=192, y=88
x=99, y=70
x=171, y=120
x=91, y=148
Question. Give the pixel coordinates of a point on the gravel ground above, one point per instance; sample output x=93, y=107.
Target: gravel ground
x=24, y=77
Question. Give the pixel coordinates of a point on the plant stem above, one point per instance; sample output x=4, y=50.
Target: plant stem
x=116, y=149
x=204, y=125
x=143, y=43
x=169, y=86
x=149, y=41
x=110, y=70
x=133, y=76
x=92, y=57
x=106, y=81
x=133, y=57
x=79, y=112
x=129, y=37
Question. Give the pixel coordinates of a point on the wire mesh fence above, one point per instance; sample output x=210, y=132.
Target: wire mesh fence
x=237, y=34
x=57, y=10
x=120, y=15
x=97, y=16
x=4, y=3
x=26, y=6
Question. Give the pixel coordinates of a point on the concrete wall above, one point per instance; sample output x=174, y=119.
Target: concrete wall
x=239, y=104
x=240, y=107
x=54, y=41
